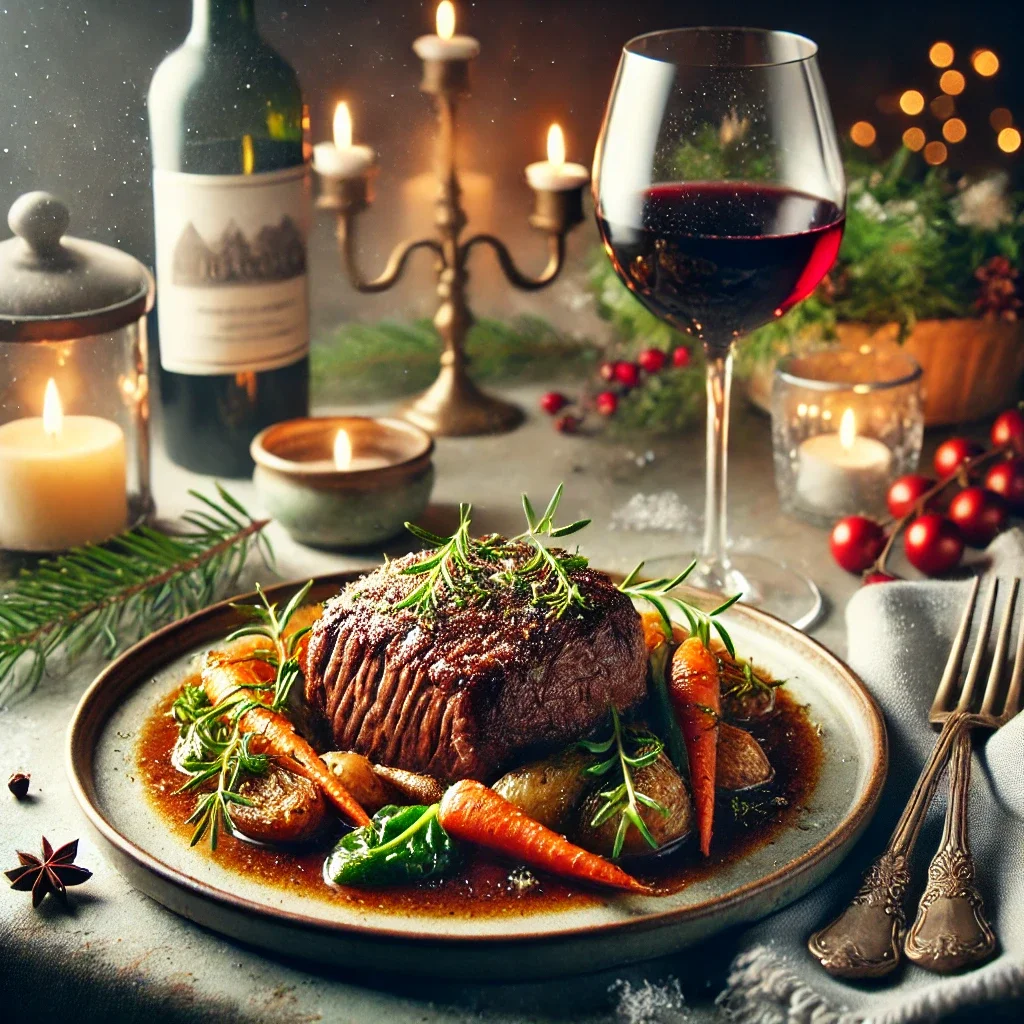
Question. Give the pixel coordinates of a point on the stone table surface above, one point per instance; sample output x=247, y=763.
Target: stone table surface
x=118, y=955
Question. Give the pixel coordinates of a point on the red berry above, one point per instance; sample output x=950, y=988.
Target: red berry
x=652, y=360
x=871, y=578
x=1009, y=429
x=856, y=542
x=607, y=371
x=553, y=401
x=568, y=424
x=950, y=454
x=1007, y=479
x=627, y=374
x=906, y=492
x=681, y=357
x=933, y=544
x=979, y=513
x=606, y=403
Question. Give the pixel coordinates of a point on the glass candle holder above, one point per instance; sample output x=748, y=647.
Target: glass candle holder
x=74, y=396
x=845, y=424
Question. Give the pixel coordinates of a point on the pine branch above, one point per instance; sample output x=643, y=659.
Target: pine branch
x=112, y=594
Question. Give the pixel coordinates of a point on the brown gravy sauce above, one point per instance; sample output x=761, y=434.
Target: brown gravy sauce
x=483, y=885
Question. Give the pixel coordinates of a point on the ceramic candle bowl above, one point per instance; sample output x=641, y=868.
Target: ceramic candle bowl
x=845, y=424
x=335, y=496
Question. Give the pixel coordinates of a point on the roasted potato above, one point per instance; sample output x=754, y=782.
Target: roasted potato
x=660, y=781
x=742, y=763
x=285, y=808
x=420, y=789
x=359, y=778
x=548, y=790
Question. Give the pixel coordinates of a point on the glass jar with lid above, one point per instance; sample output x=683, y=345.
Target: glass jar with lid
x=74, y=390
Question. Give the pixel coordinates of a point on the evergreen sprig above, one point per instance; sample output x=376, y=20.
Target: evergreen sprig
x=109, y=595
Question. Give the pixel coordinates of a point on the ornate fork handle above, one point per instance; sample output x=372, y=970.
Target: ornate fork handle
x=951, y=931
x=864, y=941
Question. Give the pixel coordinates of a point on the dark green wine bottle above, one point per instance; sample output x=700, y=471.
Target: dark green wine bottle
x=231, y=201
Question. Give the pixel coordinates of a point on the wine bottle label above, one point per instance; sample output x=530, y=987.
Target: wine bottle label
x=231, y=270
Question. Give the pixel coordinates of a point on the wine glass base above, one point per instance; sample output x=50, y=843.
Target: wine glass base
x=764, y=583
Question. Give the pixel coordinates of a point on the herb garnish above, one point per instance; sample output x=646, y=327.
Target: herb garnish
x=211, y=745
x=658, y=593
x=625, y=799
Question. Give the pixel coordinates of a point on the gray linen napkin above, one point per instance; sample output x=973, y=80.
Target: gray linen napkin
x=899, y=635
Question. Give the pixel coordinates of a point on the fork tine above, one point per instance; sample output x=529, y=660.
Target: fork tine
x=1013, y=692
x=995, y=674
x=951, y=676
x=978, y=655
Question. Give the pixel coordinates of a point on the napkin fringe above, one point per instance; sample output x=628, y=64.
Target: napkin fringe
x=762, y=989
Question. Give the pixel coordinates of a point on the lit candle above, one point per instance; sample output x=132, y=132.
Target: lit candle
x=446, y=45
x=554, y=174
x=340, y=158
x=62, y=479
x=345, y=461
x=842, y=472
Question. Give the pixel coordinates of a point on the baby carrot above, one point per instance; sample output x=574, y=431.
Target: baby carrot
x=274, y=733
x=694, y=692
x=476, y=814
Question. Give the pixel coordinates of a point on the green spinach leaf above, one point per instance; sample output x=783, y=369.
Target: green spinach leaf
x=401, y=844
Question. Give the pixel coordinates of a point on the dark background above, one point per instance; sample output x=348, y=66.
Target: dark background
x=74, y=76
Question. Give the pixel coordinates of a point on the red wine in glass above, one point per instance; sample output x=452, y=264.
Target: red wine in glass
x=718, y=259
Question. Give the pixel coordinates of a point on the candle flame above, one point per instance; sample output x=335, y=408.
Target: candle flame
x=847, y=430
x=53, y=413
x=556, y=146
x=446, y=19
x=342, y=450
x=342, y=126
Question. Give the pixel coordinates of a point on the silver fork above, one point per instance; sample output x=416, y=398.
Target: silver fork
x=865, y=940
x=951, y=931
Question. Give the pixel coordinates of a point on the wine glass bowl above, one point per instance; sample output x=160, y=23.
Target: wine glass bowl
x=719, y=193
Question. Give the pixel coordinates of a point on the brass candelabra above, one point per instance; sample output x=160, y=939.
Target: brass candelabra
x=453, y=405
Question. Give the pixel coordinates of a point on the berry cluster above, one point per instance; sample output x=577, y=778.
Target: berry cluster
x=618, y=379
x=991, y=488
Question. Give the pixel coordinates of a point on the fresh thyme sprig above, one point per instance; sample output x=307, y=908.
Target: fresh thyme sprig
x=624, y=799
x=658, y=594
x=740, y=679
x=211, y=745
x=108, y=595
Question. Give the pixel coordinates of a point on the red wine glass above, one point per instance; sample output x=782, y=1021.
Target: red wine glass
x=720, y=197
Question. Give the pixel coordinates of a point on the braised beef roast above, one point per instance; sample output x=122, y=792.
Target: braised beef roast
x=461, y=692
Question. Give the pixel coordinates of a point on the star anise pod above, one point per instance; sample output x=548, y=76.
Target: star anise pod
x=52, y=873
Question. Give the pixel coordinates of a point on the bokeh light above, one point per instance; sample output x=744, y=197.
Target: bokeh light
x=935, y=153
x=941, y=55
x=952, y=83
x=913, y=139
x=942, y=107
x=1000, y=118
x=911, y=102
x=1008, y=140
x=985, y=62
x=954, y=130
x=863, y=133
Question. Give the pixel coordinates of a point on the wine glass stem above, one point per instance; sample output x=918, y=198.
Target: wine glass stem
x=719, y=386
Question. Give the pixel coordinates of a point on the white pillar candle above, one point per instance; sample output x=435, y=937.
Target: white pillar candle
x=340, y=158
x=554, y=174
x=841, y=473
x=62, y=479
x=446, y=45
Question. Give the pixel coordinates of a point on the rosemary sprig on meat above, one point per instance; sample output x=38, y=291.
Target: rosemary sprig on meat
x=624, y=799
x=659, y=594
x=211, y=746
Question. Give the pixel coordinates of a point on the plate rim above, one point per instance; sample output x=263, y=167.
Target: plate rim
x=94, y=707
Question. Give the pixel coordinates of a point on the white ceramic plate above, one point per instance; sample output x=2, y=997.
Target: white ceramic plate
x=619, y=929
